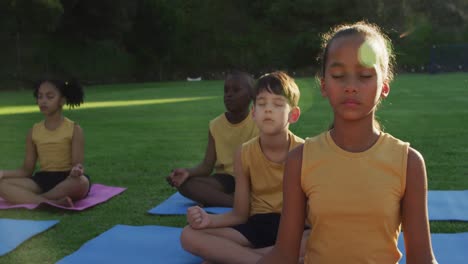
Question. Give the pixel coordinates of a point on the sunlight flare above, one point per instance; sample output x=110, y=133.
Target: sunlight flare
x=9, y=110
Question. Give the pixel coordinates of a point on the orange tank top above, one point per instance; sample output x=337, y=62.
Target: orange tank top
x=353, y=200
x=228, y=138
x=266, y=176
x=54, y=146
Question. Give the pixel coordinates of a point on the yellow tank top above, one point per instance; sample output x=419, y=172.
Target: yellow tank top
x=354, y=200
x=227, y=138
x=266, y=177
x=54, y=146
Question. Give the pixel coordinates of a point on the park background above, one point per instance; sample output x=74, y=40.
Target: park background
x=111, y=41
x=141, y=118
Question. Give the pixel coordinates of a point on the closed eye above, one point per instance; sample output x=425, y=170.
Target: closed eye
x=337, y=76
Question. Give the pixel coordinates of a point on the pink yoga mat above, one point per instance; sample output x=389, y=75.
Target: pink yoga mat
x=98, y=194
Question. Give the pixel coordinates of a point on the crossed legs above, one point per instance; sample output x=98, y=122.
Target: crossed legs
x=219, y=245
x=226, y=245
x=25, y=190
x=206, y=191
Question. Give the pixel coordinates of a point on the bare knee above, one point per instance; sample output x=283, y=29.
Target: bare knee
x=185, y=188
x=4, y=185
x=189, y=240
x=206, y=191
x=186, y=238
x=190, y=190
x=80, y=187
x=4, y=182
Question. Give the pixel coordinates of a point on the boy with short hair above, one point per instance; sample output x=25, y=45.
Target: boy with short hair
x=258, y=168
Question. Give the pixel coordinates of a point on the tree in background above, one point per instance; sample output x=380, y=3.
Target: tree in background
x=21, y=20
x=128, y=40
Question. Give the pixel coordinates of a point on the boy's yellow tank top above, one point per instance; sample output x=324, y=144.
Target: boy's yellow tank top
x=266, y=177
x=227, y=138
x=54, y=146
x=354, y=200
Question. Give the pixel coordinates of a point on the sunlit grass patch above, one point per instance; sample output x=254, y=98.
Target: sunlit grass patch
x=10, y=110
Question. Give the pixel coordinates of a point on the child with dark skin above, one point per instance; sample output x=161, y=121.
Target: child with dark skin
x=58, y=144
x=226, y=133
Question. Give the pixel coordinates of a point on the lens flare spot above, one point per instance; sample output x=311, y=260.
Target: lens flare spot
x=367, y=55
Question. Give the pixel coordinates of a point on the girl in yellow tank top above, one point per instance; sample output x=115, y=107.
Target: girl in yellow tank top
x=356, y=185
x=57, y=144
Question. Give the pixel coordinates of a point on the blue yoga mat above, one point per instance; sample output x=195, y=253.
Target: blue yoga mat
x=443, y=205
x=13, y=232
x=448, y=248
x=448, y=205
x=133, y=244
x=178, y=205
x=158, y=244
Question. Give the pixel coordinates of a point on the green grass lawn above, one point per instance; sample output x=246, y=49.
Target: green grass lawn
x=136, y=133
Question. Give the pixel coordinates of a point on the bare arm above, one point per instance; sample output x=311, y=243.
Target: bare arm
x=415, y=214
x=29, y=163
x=199, y=219
x=77, y=151
x=288, y=242
x=77, y=146
x=206, y=166
x=241, y=208
x=180, y=175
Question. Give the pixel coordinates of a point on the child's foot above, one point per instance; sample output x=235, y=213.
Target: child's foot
x=65, y=201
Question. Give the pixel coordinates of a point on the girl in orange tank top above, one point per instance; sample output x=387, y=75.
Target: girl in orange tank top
x=356, y=222
x=58, y=145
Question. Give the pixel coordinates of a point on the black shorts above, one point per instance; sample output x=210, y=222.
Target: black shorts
x=227, y=181
x=47, y=180
x=260, y=229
